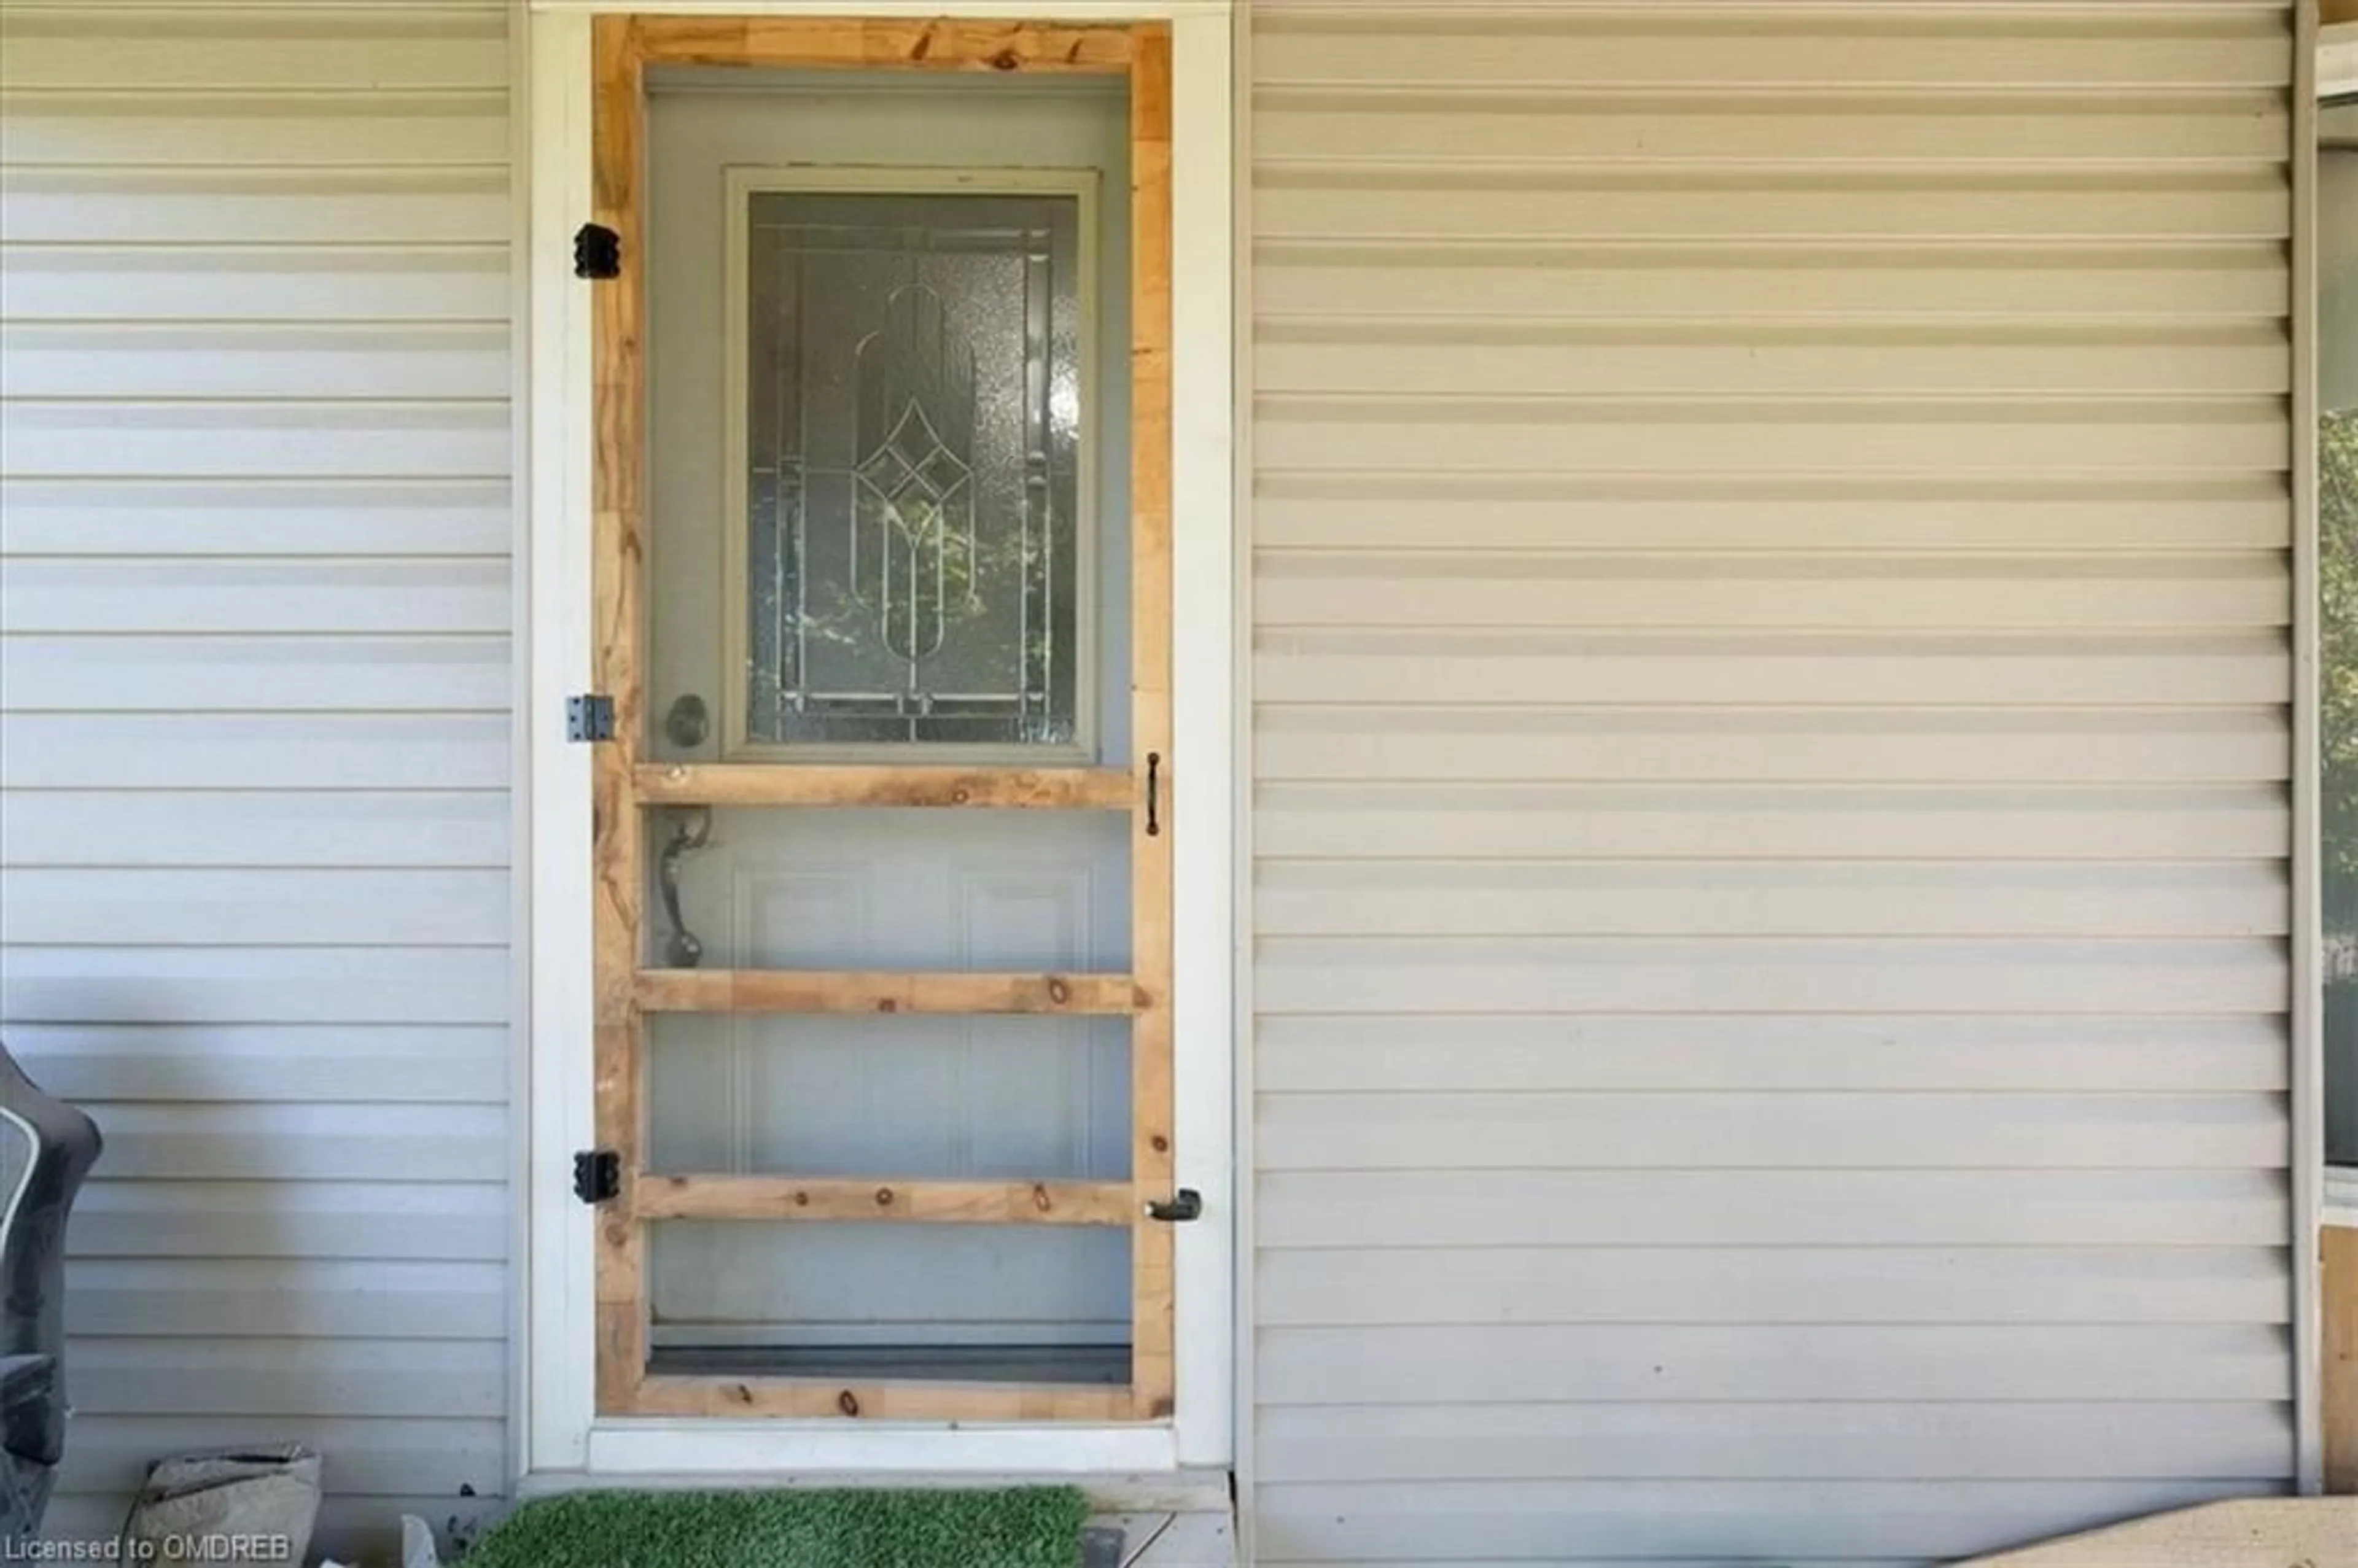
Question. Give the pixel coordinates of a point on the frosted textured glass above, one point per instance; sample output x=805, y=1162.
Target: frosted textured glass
x=914, y=413
x=2337, y=528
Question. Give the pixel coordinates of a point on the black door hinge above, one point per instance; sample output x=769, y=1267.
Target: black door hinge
x=1186, y=1203
x=589, y=717
x=596, y=1175
x=597, y=252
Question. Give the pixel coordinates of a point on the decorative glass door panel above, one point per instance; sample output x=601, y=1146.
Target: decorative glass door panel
x=916, y=367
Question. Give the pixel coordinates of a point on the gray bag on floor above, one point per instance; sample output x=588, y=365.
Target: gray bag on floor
x=245, y=1504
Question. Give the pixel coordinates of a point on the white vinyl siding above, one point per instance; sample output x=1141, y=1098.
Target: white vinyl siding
x=254, y=748
x=1771, y=605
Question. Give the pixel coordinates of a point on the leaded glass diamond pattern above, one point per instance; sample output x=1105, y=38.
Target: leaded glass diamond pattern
x=914, y=365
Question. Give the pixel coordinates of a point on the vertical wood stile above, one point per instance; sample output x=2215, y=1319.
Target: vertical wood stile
x=618, y=492
x=1152, y=1371
x=2338, y=1391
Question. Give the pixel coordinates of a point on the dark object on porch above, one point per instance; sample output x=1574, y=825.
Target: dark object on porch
x=47, y=1147
x=1014, y=1527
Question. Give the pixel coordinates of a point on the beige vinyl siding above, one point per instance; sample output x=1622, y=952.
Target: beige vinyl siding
x=254, y=747
x=1771, y=669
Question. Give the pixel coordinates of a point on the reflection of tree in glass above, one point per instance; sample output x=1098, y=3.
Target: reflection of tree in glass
x=989, y=643
x=927, y=557
x=2337, y=523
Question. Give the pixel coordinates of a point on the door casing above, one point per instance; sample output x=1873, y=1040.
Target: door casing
x=557, y=1422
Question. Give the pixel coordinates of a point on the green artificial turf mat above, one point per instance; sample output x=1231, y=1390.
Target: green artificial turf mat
x=1026, y=1526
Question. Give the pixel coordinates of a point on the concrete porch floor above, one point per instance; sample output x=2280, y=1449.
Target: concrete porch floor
x=1195, y=1540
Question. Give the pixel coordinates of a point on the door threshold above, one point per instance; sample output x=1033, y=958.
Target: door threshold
x=734, y=1451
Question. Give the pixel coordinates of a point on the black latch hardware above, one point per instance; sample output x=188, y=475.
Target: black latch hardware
x=589, y=717
x=596, y=1175
x=597, y=252
x=1186, y=1203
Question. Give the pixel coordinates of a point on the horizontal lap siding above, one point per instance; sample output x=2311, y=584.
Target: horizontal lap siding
x=1770, y=664
x=255, y=506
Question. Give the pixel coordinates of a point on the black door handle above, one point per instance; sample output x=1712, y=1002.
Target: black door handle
x=1186, y=1203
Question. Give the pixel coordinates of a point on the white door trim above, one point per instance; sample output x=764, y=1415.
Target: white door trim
x=557, y=1356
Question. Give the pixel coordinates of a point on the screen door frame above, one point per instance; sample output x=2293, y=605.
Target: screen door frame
x=623, y=48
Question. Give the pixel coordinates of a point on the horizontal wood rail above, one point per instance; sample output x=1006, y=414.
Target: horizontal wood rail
x=657, y=1196
x=756, y=784
x=721, y=1395
x=881, y=991
x=937, y=44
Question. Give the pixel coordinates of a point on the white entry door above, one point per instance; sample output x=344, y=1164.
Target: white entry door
x=891, y=487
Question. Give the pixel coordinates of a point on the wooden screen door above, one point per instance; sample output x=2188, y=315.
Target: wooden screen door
x=636, y=979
